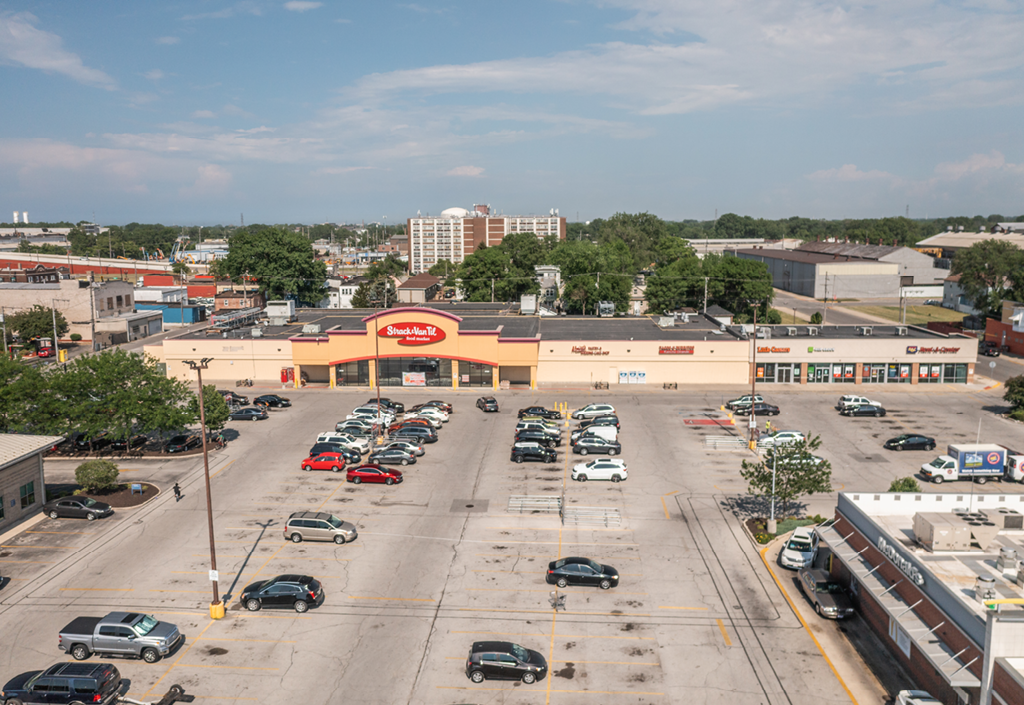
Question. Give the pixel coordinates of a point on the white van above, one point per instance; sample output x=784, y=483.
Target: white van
x=1015, y=468
x=609, y=433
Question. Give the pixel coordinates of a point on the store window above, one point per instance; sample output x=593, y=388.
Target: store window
x=954, y=374
x=873, y=373
x=415, y=372
x=819, y=374
x=779, y=373
x=896, y=373
x=929, y=374
x=353, y=374
x=28, y=494
x=475, y=374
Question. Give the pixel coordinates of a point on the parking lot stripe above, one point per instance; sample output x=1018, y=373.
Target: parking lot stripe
x=222, y=469
x=667, y=607
x=611, y=663
x=256, y=641
x=76, y=533
x=602, y=614
x=180, y=657
x=544, y=572
x=725, y=634
x=604, y=692
x=523, y=691
x=547, y=555
x=98, y=589
x=532, y=590
x=37, y=562
x=560, y=636
x=268, y=560
x=501, y=541
x=395, y=599
x=201, y=592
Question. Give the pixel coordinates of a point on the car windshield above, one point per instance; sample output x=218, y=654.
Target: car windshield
x=88, y=502
x=520, y=653
x=801, y=545
x=937, y=463
x=334, y=521
x=145, y=625
x=595, y=565
x=827, y=588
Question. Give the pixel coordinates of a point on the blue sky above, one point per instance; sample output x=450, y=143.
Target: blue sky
x=194, y=112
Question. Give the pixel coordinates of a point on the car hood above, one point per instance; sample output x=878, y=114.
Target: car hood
x=100, y=507
x=348, y=526
x=19, y=681
x=162, y=630
x=834, y=599
x=609, y=570
x=536, y=659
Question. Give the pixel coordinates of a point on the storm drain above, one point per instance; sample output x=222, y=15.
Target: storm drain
x=469, y=505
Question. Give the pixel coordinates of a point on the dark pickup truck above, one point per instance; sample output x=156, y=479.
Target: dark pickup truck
x=120, y=634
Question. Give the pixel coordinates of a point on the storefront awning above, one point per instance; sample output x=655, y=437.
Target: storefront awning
x=942, y=658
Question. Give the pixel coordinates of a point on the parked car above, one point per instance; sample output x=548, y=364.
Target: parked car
x=541, y=426
x=373, y=473
x=128, y=443
x=745, y=400
x=614, y=470
x=121, y=634
x=541, y=412
x=272, y=400
x=358, y=431
x=360, y=445
x=827, y=596
x=916, y=697
x=391, y=456
x=65, y=683
x=354, y=423
x=800, y=549
x=434, y=421
x=606, y=420
x=318, y=526
x=581, y=571
x=233, y=397
x=504, y=661
x=44, y=352
x=183, y=442
x=335, y=462
x=410, y=421
x=779, y=437
x=532, y=451
x=609, y=433
x=760, y=408
x=439, y=405
x=249, y=413
x=853, y=400
x=988, y=348
x=414, y=434
x=350, y=456
x=910, y=441
x=380, y=418
x=863, y=410
x=395, y=407
x=82, y=442
x=79, y=507
x=487, y=404
x=432, y=412
x=408, y=446
x=592, y=410
x=299, y=592
x=595, y=444
x=536, y=436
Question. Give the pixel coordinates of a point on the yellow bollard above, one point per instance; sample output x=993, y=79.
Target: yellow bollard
x=217, y=610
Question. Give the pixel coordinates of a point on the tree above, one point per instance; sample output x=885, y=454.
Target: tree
x=904, y=484
x=797, y=472
x=390, y=266
x=36, y=322
x=20, y=386
x=990, y=271
x=1015, y=391
x=580, y=293
x=281, y=262
x=378, y=293
x=675, y=285
x=737, y=284
x=181, y=269
x=214, y=407
x=816, y=318
x=97, y=475
x=445, y=271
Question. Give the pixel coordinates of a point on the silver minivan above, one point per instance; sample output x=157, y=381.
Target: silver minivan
x=318, y=526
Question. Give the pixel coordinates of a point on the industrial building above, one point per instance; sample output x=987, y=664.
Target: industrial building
x=824, y=276
x=916, y=268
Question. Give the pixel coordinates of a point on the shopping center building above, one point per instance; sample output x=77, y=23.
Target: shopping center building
x=489, y=345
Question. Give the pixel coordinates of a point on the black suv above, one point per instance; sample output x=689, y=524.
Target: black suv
x=233, y=397
x=600, y=421
x=487, y=404
x=417, y=434
x=182, y=443
x=595, y=444
x=504, y=661
x=528, y=450
x=539, y=411
x=395, y=407
x=529, y=434
x=66, y=683
x=299, y=592
x=272, y=400
x=350, y=456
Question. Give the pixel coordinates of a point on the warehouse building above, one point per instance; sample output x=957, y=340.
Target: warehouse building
x=823, y=276
x=916, y=268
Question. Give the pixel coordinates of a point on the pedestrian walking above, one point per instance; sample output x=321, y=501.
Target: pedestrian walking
x=177, y=492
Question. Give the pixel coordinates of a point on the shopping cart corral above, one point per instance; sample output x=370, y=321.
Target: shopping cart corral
x=176, y=694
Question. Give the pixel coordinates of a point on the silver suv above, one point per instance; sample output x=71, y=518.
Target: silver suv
x=318, y=526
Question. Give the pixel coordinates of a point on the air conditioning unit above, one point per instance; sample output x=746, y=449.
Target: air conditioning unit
x=811, y=330
x=790, y=331
x=311, y=329
x=901, y=330
x=864, y=330
x=257, y=332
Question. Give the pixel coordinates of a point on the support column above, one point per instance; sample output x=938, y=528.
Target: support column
x=858, y=372
x=297, y=374
x=373, y=373
x=914, y=371
x=333, y=372
x=803, y=373
x=533, y=376
x=455, y=374
x=494, y=377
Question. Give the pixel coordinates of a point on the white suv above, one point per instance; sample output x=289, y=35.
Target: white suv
x=848, y=400
x=800, y=549
x=614, y=470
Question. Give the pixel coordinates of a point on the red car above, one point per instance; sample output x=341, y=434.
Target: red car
x=335, y=462
x=45, y=352
x=373, y=473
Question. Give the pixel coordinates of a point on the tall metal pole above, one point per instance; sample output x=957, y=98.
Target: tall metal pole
x=216, y=609
x=771, y=521
x=56, y=347
x=3, y=319
x=753, y=382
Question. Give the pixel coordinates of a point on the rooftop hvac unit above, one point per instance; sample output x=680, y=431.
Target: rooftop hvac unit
x=311, y=329
x=1009, y=519
x=257, y=332
x=901, y=330
x=277, y=320
x=811, y=330
x=762, y=332
x=666, y=321
x=1007, y=561
x=941, y=532
x=864, y=330
x=790, y=331
x=985, y=588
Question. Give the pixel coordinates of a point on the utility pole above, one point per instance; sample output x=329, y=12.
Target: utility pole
x=753, y=383
x=56, y=347
x=705, y=294
x=492, y=290
x=216, y=607
x=824, y=308
x=3, y=320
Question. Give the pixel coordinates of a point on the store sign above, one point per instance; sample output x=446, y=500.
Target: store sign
x=591, y=350
x=414, y=379
x=412, y=333
x=772, y=350
x=898, y=560
x=916, y=350
x=675, y=350
x=812, y=349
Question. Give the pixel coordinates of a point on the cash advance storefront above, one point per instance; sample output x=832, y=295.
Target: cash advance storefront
x=421, y=347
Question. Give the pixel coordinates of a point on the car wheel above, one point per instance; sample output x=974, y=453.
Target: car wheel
x=404, y=461
x=529, y=678
x=357, y=480
x=612, y=451
x=937, y=480
x=255, y=418
x=817, y=609
x=583, y=451
x=981, y=480
x=80, y=652
x=562, y=582
x=307, y=468
x=931, y=447
x=477, y=676
x=150, y=655
x=389, y=481
x=53, y=514
x=14, y=701
x=582, y=478
x=605, y=584
x=335, y=468
x=253, y=605
x=519, y=458
x=296, y=538
x=339, y=539
x=899, y=448
x=301, y=606
x=877, y=414
x=90, y=516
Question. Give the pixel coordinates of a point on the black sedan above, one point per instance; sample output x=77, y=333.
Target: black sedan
x=394, y=407
x=487, y=404
x=600, y=421
x=129, y=443
x=526, y=450
x=249, y=413
x=392, y=456
x=595, y=444
x=863, y=410
x=272, y=400
x=83, y=442
x=299, y=592
x=760, y=409
x=233, y=397
x=910, y=441
x=581, y=571
x=179, y=444
x=540, y=411
x=442, y=405
x=77, y=508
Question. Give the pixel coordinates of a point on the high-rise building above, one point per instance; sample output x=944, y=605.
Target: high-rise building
x=457, y=233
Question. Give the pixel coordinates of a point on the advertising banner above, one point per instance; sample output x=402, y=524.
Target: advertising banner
x=414, y=379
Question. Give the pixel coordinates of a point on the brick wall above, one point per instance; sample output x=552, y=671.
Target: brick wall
x=1007, y=686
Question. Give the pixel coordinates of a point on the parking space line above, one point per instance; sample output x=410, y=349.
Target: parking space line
x=601, y=614
x=605, y=692
x=25, y=545
x=76, y=533
x=668, y=607
x=256, y=641
x=560, y=636
x=528, y=555
x=222, y=469
x=183, y=652
x=97, y=589
x=532, y=590
x=249, y=615
x=725, y=634
x=333, y=492
x=664, y=505
x=201, y=592
x=544, y=572
x=393, y=599
x=36, y=562
x=523, y=691
x=612, y=663
x=211, y=665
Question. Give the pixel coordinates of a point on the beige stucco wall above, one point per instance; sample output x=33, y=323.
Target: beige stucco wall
x=867, y=349
x=12, y=478
x=233, y=359
x=73, y=301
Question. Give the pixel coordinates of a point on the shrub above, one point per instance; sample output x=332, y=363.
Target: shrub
x=904, y=484
x=75, y=337
x=1017, y=414
x=816, y=317
x=97, y=475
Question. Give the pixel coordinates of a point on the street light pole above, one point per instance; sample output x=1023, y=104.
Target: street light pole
x=216, y=607
x=753, y=382
x=772, y=526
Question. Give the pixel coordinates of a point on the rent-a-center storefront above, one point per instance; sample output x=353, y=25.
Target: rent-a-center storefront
x=417, y=347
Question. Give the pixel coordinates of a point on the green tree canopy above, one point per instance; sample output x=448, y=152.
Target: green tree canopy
x=376, y=293
x=990, y=271
x=36, y=322
x=672, y=286
x=21, y=386
x=280, y=261
x=796, y=470
x=389, y=266
x=214, y=408
x=1015, y=391
x=445, y=271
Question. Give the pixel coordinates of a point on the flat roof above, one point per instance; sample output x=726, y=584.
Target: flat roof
x=847, y=332
x=955, y=240
x=798, y=256
x=853, y=249
x=15, y=446
x=631, y=328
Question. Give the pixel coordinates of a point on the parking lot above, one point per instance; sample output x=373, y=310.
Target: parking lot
x=440, y=562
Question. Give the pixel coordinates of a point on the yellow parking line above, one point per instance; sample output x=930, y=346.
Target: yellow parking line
x=523, y=691
x=561, y=636
x=257, y=641
x=394, y=599
x=617, y=592
x=603, y=614
x=725, y=634
x=529, y=555
x=98, y=589
x=613, y=663
x=250, y=615
x=666, y=607
x=544, y=528
x=183, y=652
x=219, y=471
x=201, y=592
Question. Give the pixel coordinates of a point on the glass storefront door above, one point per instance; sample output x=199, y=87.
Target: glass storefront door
x=475, y=374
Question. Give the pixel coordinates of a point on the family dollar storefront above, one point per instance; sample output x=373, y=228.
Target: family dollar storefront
x=420, y=347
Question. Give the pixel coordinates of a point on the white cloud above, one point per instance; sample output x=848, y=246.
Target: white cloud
x=168, y=40
x=975, y=165
x=850, y=172
x=256, y=130
x=21, y=43
x=466, y=171
x=302, y=5
x=211, y=179
x=154, y=75
x=200, y=114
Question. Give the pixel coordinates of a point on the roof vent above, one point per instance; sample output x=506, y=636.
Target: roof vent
x=790, y=331
x=901, y=330
x=1007, y=561
x=864, y=330
x=257, y=332
x=812, y=330
x=311, y=329
x=985, y=588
